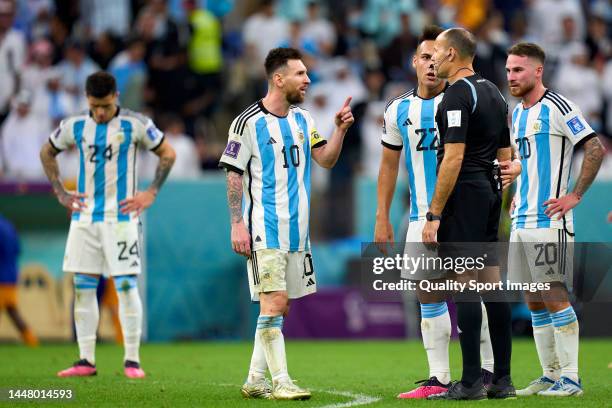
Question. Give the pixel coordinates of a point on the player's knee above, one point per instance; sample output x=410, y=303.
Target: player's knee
x=125, y=283
x=84, y=281
x=274, y=303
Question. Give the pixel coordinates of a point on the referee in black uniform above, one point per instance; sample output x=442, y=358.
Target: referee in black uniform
x=466, y=205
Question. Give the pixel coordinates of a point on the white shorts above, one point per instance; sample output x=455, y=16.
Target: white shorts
x=415, y=248
x=104, y=248
x=272, y=270
x=541, y=255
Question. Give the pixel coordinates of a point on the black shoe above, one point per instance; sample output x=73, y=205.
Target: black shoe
x=501, y=389
x=84, y=362
x=458, y=391
x=487, y=377
x=131, y=364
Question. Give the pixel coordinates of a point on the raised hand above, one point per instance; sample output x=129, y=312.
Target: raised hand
x=344, y=117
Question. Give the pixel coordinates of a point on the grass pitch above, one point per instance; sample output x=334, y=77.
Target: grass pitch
x=341, y=374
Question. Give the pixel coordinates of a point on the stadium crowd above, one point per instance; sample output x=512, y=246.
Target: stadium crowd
x=193, y=64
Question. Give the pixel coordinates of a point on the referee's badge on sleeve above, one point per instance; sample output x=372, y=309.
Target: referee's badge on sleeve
x=454, y=118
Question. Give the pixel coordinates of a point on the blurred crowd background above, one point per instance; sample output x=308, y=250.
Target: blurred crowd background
x=193, y=65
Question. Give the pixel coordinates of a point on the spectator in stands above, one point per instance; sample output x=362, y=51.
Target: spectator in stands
x=606, y=82
x=546, y=22
x=106, y=15
x=598, y=41
x=75, y=68
x=187, y=164
x=319, y=29
x=205, y=64
x=21, y=136
x=49, y=102
x=104, y=48
x=9, y=252
x=579, y=82
x=130, y=71
x=13, y=49
x=397, y=56
x=261, y=32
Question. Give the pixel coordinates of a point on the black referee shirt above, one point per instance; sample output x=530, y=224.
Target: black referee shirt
x=473, y=112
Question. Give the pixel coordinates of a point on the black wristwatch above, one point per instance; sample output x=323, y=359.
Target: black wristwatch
x=430, y=217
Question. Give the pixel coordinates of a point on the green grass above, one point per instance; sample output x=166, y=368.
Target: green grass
x=210, y=374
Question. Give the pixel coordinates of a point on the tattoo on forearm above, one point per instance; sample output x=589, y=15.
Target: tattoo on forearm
x=161, y=173
x=51, y=168
x=234, y=195
x=593, y=156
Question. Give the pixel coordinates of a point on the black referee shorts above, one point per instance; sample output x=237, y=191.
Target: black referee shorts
x=471, y=215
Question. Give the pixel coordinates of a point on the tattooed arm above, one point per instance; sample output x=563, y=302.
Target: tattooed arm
x=241, y=239
x=144, y=199
x=72, y=201
x=594, y=153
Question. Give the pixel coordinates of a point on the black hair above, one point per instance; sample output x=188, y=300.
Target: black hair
x=278, y=58
x=100, y=84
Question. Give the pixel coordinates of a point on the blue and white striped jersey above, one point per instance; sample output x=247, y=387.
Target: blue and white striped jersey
x=545, y=136
x=274, y=154
x=410, y=124
x=107, y=159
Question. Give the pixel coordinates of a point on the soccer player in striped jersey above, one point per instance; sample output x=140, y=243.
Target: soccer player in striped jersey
x=409, y=125
x=104, y=231
x=547, y=128
x=268, y=158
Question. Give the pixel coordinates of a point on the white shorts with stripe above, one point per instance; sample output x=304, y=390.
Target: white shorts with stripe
x=104, y=248
x=541, y=255
x=271, y=270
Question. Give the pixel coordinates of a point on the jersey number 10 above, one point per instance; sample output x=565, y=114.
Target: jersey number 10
x=294, y=154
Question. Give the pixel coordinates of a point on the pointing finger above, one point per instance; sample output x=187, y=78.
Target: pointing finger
x=347, y=102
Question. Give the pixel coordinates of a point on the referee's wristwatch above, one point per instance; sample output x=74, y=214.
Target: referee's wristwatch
x=430, y=217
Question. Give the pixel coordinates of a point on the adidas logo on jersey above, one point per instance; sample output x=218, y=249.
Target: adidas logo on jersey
x=310, y=282
x=134, y=264
x=550, y=271
x=407, y=122
x=271, y=141
x=258, y=239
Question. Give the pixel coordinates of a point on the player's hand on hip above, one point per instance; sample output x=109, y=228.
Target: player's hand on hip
x=241, y=239
x=383, y=236
x=138, y=203
x=72, y=201
x=344, y=117
x=510, y=170
x=561, y=205
x=430, y=231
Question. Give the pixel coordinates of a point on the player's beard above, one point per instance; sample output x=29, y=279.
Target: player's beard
x=295, y=97
x=523, y=90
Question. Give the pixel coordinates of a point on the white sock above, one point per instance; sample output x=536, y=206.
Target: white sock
x=258, y=367
x=436, y=330
x=544, y=337
x=130, y=315
x=566, y=329
x=86, y=315
x=486, y=350
x=271, y=337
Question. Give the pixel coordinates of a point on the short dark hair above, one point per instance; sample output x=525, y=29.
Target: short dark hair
x=100, y=84
x=461, y=40
x=430, y=33
x=527, y=49
x=278, y=57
